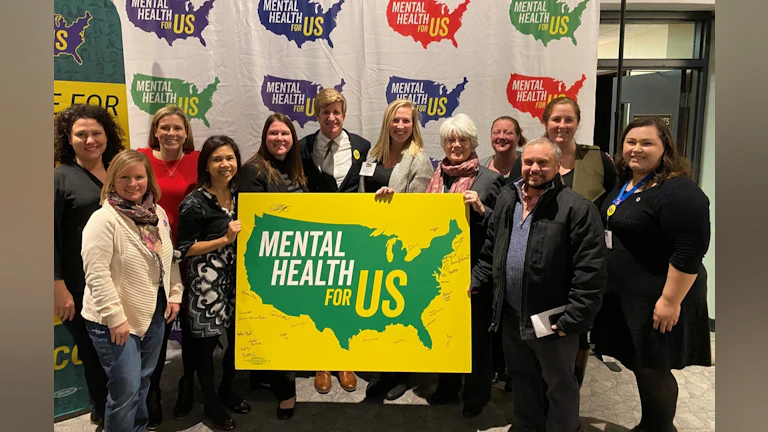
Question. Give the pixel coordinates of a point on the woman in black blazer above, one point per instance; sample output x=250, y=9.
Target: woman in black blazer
x=276, y=166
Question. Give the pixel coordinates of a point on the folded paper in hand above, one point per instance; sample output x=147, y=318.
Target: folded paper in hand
x=541, y=321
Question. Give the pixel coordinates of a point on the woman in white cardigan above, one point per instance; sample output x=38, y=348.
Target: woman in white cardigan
x=397, y=161
x=133, y=287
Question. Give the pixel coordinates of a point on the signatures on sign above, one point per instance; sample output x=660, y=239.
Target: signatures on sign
x=278, y=208
x=435, y=312
x=448, y=339
x=281, y=316
x=399, y=341
x=249, y=293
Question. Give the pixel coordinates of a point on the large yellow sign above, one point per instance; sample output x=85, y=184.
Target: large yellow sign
x=351, y=282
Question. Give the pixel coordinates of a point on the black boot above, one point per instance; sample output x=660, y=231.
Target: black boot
x=154, y=408
x=97, y=416
x=216, y=414
x=379, y=384
x=185, y=399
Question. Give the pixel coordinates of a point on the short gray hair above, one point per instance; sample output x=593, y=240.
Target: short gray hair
x=461, y=126
x=547, y=142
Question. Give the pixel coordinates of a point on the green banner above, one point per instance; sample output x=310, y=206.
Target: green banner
x=70, y=393
x=88, y=67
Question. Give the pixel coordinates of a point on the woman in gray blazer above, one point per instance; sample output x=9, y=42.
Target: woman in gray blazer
x=397, y=162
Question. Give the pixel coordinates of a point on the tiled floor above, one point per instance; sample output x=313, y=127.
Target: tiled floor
x=609, y=403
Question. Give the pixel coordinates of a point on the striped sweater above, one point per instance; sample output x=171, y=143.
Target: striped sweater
x=121, y=276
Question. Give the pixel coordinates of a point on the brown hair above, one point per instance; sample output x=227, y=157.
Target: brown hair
x=672, y=164
x=329, y=96
x=415, y=144
x=518, y=129
x=264, y=161
x=559, y=101
x=120, y=163
x=154, y=143
x=64, y=153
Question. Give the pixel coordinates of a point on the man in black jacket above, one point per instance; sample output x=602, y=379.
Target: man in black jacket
x=332, y=157
x=545, y=256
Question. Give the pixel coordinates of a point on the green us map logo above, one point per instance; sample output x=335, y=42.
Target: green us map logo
x=150, y=93
x=546, y=20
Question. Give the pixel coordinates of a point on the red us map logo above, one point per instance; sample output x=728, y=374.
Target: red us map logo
x=426, y=21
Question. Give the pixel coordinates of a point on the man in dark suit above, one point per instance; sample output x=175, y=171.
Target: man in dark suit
x=332, y=158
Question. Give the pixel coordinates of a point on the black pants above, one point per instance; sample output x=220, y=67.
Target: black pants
x=282, y=383
x=95, y=377
x=187, y=355
x=202, y=351
x=477, y=384
x=531, y=364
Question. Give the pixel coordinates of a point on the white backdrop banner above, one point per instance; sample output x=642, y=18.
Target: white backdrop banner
x=230, y=63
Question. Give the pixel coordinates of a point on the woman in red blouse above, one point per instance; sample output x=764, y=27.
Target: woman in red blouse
x=172, y=153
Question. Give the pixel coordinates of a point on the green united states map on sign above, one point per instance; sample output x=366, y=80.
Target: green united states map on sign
x=370, y=252
x=150, y=93
x=546, y=20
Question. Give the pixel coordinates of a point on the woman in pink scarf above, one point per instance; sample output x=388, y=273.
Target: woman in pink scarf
x=460, y=172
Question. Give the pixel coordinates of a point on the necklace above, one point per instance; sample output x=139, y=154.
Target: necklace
x=176, y=165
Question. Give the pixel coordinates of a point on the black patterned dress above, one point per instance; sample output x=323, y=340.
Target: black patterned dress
x=211, y=276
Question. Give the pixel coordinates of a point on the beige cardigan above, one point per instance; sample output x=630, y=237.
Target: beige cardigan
x=121, y=276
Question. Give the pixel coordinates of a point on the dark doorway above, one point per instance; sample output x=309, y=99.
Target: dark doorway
x=603, y=110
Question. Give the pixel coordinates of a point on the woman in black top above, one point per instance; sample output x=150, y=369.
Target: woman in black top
x=276, y=167
x=86, y=138
x=654, y=315
x=208, y=228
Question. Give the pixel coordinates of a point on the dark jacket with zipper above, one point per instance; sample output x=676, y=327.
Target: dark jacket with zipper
x=565, y=260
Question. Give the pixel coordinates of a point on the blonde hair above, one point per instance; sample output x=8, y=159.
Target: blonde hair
x=415, y=144
x=121, y=162
x=329, y=96
x=154, y=143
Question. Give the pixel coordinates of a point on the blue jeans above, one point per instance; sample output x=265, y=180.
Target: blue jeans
x=128, y=369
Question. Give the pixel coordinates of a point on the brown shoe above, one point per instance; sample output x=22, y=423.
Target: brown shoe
x=348, y=381
x=323, y=382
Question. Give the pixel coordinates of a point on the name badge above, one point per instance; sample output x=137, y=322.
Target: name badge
x=367, y=169
x=608, y=239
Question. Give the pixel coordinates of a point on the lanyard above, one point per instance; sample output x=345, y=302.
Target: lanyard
x=624, y=194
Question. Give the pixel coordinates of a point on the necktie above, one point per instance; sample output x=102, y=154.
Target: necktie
x=327, y=164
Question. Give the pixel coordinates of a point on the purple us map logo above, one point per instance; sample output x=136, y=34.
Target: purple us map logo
x=169, y=19
x=299, y=20
x=292, y=97
x=432, y=99
x=68, y=38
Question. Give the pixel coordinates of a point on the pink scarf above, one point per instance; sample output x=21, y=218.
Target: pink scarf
x=464, y=172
